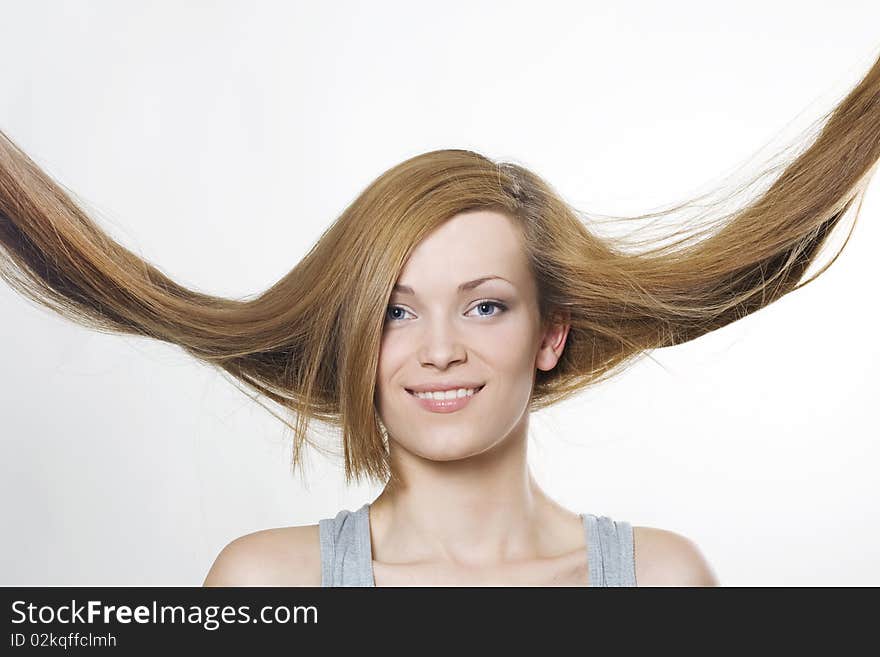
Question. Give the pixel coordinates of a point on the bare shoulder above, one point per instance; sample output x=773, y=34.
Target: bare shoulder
x=281, y=556
x=665, y=558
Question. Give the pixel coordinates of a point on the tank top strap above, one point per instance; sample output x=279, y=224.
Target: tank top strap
x=346, y=558
x=609, y=551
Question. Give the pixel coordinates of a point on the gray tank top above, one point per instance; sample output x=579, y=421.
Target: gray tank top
x=347, y=556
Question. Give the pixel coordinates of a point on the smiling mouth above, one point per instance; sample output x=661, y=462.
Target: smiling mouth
x=476, y=391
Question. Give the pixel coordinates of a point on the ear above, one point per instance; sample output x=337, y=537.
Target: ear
x=553, y=341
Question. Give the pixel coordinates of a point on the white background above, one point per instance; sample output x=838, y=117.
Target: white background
x=219, y=139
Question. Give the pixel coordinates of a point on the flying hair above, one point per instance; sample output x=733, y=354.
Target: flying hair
x=310, y=342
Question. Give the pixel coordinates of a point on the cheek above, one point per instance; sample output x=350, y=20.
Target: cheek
x=392, y=362
x=392, y=358
x=510, y=350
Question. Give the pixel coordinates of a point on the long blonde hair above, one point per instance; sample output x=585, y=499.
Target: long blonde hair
x=310, y=342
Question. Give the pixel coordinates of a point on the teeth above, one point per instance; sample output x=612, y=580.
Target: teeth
x=446, y=394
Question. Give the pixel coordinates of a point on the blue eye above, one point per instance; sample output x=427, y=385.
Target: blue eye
x=500, y=306
x=391, y=308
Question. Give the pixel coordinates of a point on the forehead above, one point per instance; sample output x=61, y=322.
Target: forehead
x=470, y=244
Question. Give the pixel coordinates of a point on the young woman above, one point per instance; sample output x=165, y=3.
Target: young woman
x=452, y=272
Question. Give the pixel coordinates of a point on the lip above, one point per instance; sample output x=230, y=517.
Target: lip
x=446, y=385
x=445, y=405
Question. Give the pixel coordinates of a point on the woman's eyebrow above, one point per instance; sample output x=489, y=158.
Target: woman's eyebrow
x=469, y=285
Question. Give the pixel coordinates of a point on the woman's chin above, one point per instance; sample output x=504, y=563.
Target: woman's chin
x=449, y=449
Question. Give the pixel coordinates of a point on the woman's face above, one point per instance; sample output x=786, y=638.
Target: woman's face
x=487, y=335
